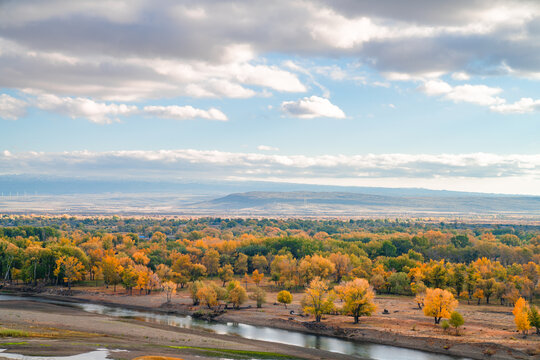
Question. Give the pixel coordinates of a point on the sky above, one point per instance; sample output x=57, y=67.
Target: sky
x=433, y=94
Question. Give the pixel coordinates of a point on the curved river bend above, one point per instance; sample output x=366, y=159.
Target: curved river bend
x=362, y=350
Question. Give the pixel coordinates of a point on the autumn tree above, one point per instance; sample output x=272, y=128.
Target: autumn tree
x=358, y=298
x=143, y=277
x=241, y=264
x=259, y=295
x=197, y=271
x=521, y=316
x=169, y=288
x=112, y=270
x=154, y=282
x=237, y=295
x=283, y=270
x=207, y=296
x=140, y=258
x=284, y=297
x=71, y=267
x=479, y=295
x=129, y=279
x=317, y=301
x=342, y=265
x=314, y=266
x=226, y=273
x=260, y=263
x=211, y=261
x=8, y=254
x=257, y=277
x=193, y=290
x=164, y=272
x=439, y=304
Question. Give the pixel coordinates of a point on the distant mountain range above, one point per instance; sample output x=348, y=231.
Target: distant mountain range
x=347, y=203
x=22, y=194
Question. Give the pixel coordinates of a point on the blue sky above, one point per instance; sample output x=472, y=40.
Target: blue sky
x=423, y=94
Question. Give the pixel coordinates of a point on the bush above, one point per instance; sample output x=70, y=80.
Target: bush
x=456, y=320
x=445, y=325
x=284, y=297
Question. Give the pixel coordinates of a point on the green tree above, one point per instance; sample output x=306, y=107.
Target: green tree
x=456, y=320
x=534, y=318
x=226, y=273
x=259, y=295
x=129, y=279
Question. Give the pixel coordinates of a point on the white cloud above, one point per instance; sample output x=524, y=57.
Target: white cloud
x=217, y=49
x=83, y=108
x=184, y=112
x=11, y=108
x=267, y=148
x=312, y=107
x=435, y=87
x=475, y=94
x=522, y=106
x=387, y=169
x=461, y=76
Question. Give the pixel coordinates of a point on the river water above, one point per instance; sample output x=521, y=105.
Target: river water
x=362, y=350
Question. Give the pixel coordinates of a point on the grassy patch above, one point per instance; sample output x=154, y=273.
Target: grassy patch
x=13, y=333
x=235, y=354
x=13, y=343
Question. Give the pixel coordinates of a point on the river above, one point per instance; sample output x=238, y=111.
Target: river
x=363, y=350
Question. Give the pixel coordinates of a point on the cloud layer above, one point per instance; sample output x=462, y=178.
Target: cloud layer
x=189, y=164
x=212, y=48
x=99, y=112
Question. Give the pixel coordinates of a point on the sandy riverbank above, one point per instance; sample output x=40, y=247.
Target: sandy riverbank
x=487, y=333
x=60, y=331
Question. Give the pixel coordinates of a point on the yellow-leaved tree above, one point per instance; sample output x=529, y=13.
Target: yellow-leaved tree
x=521, y=315
x=284, y=297
x=317, y=301
x=72, y=268
x=237, y=295
x=169, y=288
x=257, y=277
x=207, y=296
x=358, y=297
x=439, y=303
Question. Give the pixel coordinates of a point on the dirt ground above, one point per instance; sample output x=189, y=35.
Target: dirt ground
x=61, y=331
x=489, y=330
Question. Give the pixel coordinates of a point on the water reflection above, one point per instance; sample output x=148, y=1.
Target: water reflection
x=362, y=350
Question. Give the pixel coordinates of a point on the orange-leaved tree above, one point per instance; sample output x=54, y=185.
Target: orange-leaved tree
x=521, y=315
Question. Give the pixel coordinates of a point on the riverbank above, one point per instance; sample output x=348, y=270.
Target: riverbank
x=47, y=329
x=404, y=326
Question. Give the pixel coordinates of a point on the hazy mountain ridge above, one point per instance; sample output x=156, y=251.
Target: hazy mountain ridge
x=23, y=194
x=304, y=201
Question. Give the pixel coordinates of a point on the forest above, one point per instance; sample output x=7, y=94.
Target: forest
x=351, y=260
